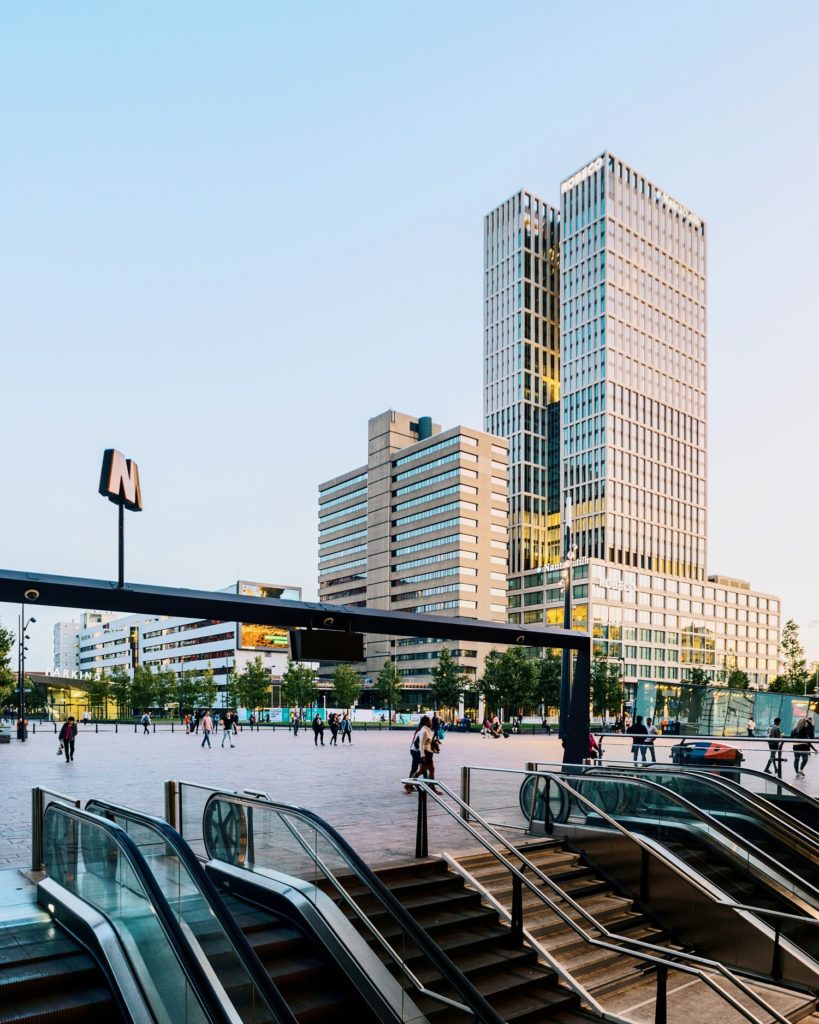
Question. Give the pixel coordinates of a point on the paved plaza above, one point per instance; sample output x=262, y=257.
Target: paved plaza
x=356, y=788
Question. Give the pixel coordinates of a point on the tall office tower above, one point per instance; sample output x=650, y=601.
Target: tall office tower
x=521, y=369
x=633, y=370
x=66, y=648
x=421, y=527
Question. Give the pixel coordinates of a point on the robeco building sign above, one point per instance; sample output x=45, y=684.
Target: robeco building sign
x=581, y=175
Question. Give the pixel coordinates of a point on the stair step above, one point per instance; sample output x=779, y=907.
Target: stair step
x=92, y=1002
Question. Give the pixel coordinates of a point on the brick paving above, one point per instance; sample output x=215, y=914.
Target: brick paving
x=356, y=788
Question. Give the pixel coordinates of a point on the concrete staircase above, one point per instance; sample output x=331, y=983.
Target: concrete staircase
x=623, y=984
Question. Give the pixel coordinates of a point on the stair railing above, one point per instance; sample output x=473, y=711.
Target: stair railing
x=472, y=1002
x=659, y=958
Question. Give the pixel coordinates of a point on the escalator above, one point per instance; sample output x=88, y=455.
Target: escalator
x=46, y=975
x=692, y=820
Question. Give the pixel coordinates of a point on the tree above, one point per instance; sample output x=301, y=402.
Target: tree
x=120, y=690
x=186, y=692
x=547, y=682
x=511, y=680
x=206, y=697
x=232, y=690
x=448, y=682
x=164, y=688
x=347, y=685
x=388, y=685
x=698, y=677
x=253, y=685
x=606, y=691
x=298, y=685
x=98, y=691
x=793, y=658
x=492, y=681
x=737, y=679
x=7, y=641
x=143, y=688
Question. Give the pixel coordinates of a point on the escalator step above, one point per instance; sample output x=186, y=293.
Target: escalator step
x=90, y=1003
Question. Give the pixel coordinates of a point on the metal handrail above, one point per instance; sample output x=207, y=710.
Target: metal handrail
x=212, y=1006
x=37, y=810
x=712, y=823
x=807, y=836
x=669, y=957
x=475, y=1002
x=348, y=899
x=261, y=979
x=654, y=851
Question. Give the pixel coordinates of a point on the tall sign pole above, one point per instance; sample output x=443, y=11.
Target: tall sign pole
x=566, y=662
x=119, y=483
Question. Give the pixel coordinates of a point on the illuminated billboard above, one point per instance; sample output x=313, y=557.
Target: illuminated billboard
x=254, y=637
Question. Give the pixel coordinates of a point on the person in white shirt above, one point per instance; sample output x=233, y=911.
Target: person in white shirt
x=426, y=766
x=652, y=733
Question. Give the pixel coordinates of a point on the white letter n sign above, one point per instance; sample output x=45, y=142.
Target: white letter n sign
x=119, y=480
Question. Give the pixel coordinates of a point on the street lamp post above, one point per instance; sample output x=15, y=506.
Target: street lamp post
x=21, y=653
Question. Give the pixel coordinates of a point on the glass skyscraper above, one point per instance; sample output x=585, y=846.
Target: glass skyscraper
x=595, y=371
x=522, y=368
x=633, y=370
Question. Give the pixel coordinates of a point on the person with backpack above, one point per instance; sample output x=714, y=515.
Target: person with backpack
x=146, y=724
x=775, y=756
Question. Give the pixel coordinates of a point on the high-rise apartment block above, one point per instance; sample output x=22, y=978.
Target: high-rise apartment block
x=66, y=648
x=422, y=526
x=599, y=383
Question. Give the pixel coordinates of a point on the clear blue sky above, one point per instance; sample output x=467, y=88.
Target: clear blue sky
x=232, y=232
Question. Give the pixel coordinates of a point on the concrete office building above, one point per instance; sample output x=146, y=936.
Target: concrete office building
x=163, y=642
x=632, y=449
x=422, y=526
x=66, y=649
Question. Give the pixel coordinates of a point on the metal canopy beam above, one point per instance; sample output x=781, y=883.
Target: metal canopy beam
x=75, y=592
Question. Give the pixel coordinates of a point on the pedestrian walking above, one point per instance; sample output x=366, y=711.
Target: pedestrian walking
x=68, y=734
x=334, y=723
x=801, y=751
x=197, y=717
x=415, y=754
x=750, y=726
x=775, y=756
x=296, y=722
x=651, y=731
x=638, y=732
x=234, y=722
x=429, y=745
x=346, y=729
x=187, y=725
x=318, y=729
x=146, y=724
x=227, y=732
x=207, y=728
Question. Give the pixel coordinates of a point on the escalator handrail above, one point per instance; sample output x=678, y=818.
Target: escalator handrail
x=657, y=851
x=186, y=956
x=667, y=957
x=712, y=822
x=477, y=1004
x=781, y=822
x=704, y=816
x=250, y=961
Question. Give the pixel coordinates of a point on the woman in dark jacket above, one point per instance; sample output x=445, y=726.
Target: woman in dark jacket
x=318, y=729
x=801, y=751
x=68, y=734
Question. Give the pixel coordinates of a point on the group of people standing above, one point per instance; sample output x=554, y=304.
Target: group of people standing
x=643, y=735
x=802, y=731
x=338, y=724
